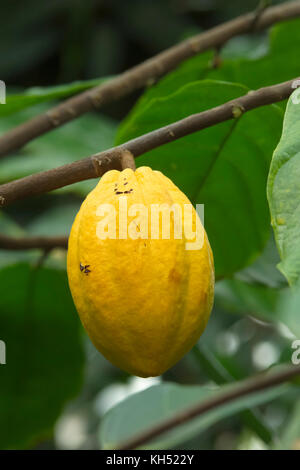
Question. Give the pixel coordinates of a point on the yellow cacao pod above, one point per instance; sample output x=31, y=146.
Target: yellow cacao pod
x=143, y=295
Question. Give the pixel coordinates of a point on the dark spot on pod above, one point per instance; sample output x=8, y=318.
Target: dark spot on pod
x=84, y=268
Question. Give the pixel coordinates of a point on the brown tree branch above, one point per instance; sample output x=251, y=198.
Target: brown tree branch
x=143, y=74
x=244, y=388
x=97, y=165
x=27, y=243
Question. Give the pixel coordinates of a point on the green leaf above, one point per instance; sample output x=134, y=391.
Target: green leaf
x=77, y=139
x=263, y=302
x=44, y=356
x=246, y=46
x=191, y=70
x=278, y=64
x=264, y=270
x=224, y=167
x=284, y=192
x=159, y=402
x=243, y=298
x=32, y=96
x=290, y=438
x=56, y=220
x=8, y=226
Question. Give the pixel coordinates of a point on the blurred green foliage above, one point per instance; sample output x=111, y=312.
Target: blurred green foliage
x=45, y=358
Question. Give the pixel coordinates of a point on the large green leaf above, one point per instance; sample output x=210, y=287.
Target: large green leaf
x=224, y=167
x=44, y=363
x=159, y=402
x=77, y=139
x=284, y=192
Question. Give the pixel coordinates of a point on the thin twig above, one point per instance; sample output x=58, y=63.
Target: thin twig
x=244, y=388
x=27, y=243
x=143, y=74
x=97, y=165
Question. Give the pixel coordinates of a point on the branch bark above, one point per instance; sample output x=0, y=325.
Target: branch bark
x=97, y=165
x=143, y=74
x=245, y=387
x=26, y=243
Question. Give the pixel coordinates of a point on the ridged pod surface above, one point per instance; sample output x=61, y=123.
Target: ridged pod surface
x=144, y=302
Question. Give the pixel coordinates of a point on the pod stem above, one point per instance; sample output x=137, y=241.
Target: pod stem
x=127, y=160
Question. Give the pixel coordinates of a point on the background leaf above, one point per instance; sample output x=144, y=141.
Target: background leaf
x=264, y=269
x=44, y=354
x=262, y=302
x=151, y=406
x=35, y=95
x=290, y=438
x=9, y=227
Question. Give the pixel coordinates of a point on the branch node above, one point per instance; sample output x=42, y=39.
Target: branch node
x=150, y=81
x=2, y=201
x=71, y=111
x=95, y=98
x=54, y=117
x=237, y=110
x=195, y=45
x=216, y=61
x=262, y=5
x=100, y=164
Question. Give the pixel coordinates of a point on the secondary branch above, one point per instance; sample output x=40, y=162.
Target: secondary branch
x=97, y=165
x=26, y=243
x=143, y=74
x=244, y=388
